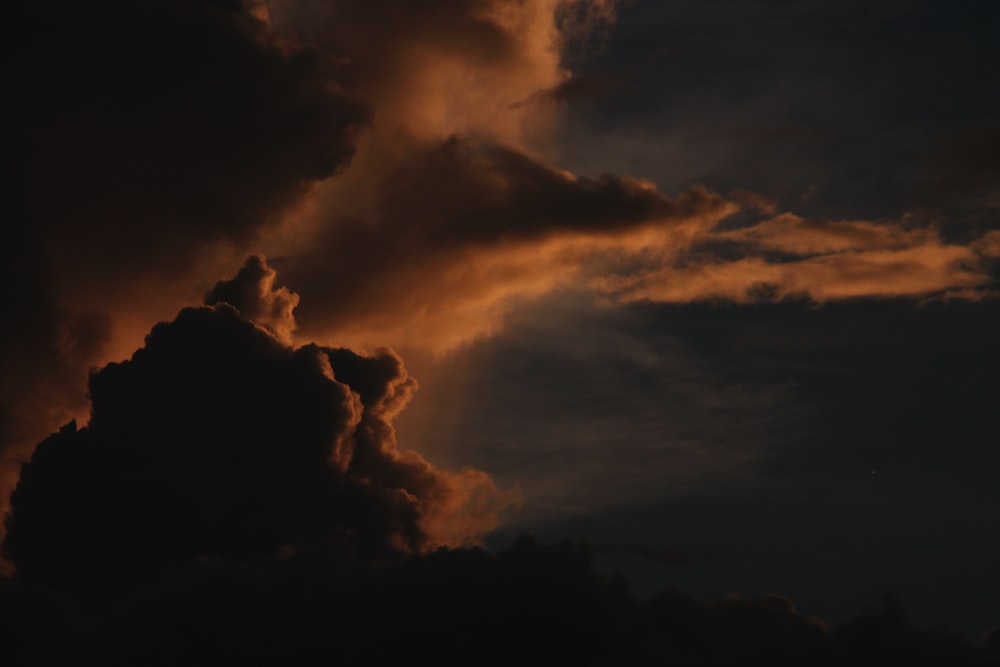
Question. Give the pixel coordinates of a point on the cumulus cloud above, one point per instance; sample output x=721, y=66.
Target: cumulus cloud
x=216, y=439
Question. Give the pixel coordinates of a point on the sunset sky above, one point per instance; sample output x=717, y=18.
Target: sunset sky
x=709, y=285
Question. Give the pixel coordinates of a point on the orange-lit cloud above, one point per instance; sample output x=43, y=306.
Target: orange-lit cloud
x=915, y=271
x=817, y=260
x=443, y=67
x=143, y=136
x=218, y=439
x=466, y=229
x=793, y=234
x=172, y=138
x=253, y=292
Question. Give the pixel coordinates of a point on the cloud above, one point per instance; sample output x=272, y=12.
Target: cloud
x=790, y=257
x=253, y=294
x=218, y=440
x=795, y=235
x=142, y=136
x=464, y=230
x=164, y=126
x=446, y=66
x=153, y=145
x=912, y=272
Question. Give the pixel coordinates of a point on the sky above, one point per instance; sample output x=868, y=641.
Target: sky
x=302, y=288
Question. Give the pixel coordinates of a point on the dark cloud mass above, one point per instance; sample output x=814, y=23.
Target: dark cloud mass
x=162, y=125
x=135, y=136
x=217, y=440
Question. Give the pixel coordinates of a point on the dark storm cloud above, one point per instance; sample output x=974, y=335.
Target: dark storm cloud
x=217, y=440
x=134, y=135
x=141, y=131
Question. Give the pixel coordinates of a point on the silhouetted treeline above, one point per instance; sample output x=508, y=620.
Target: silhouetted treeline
x=527, y=605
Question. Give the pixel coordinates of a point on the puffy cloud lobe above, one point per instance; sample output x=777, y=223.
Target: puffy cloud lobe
x=252, y=292
x=216, y=439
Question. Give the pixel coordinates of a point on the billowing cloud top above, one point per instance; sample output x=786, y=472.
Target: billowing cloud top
x=218, y=440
